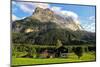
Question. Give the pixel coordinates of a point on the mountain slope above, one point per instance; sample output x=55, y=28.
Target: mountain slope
x=46, y=27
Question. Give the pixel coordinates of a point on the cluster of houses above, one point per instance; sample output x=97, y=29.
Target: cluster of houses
x=54, y=53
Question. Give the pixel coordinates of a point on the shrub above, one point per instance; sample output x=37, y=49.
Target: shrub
x=78, y=51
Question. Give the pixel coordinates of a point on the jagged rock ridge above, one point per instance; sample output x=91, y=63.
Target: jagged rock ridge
x=46, y=15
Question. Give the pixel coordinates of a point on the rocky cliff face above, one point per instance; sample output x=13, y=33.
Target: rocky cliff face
x=43, y=15
x=47, y=15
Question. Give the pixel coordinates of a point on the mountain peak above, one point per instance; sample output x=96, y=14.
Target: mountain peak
x=43, y=11
x=38, y=9
x=43, y=15
x=47, y=15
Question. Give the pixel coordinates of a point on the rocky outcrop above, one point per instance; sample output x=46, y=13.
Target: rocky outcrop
x=47, y=15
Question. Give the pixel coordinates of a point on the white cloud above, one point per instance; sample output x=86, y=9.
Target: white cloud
x=29, y=7
x=91, y=24
x=24, y=6
x=89, y=27
x=66, y=13
x=70, y=13
x=42, y=5
x=56, y=9
x=92, y=18
x=14, y=17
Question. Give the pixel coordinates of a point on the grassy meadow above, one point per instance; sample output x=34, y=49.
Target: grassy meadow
x=70, y=58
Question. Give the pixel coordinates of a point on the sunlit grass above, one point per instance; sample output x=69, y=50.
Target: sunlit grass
x=71, y=58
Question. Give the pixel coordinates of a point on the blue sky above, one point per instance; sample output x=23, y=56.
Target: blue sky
x=85, y=14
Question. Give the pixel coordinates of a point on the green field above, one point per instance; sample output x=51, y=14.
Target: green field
x=71, y=58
